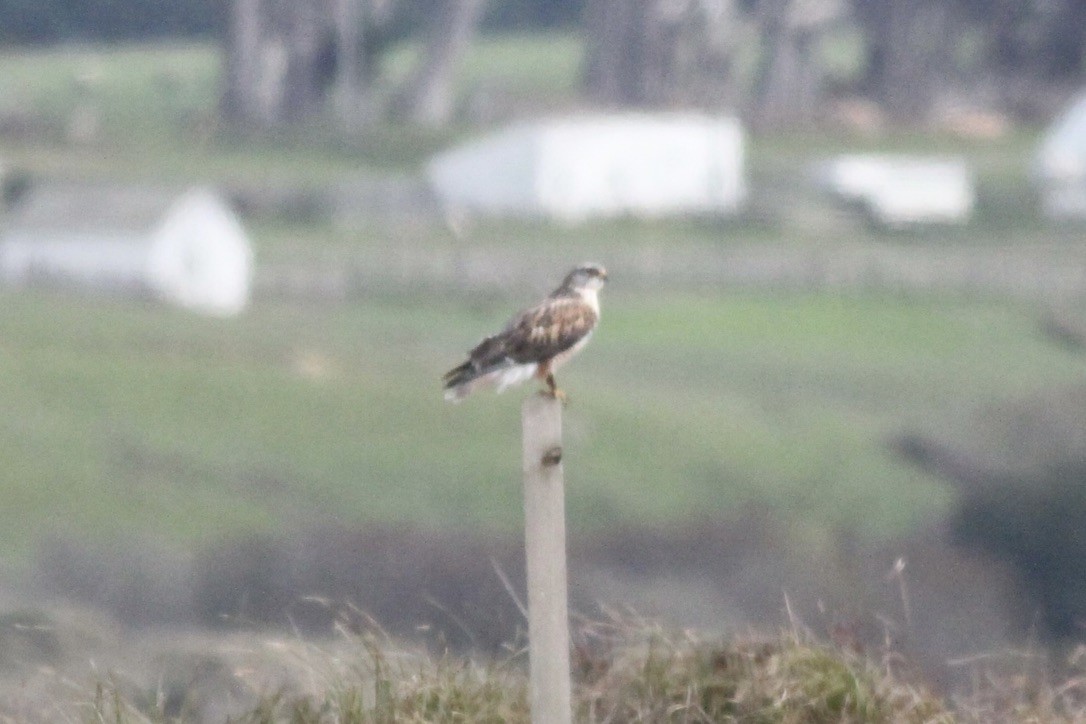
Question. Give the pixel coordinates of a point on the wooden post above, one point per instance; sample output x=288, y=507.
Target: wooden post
x=545, y=546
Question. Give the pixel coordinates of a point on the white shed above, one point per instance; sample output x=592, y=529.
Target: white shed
x=1059, y=166
x=901, y=190
x=184, y=247
x=572, y=169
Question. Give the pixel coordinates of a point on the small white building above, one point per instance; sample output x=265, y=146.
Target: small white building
x=1059, y=166
x=898, y=190
x=576, y=168
x=184, y=247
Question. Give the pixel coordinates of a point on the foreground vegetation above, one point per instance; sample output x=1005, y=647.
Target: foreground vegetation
x=660, y=678
x=625, y=670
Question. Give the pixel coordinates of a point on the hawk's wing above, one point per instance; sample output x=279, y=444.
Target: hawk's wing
x=544, y=331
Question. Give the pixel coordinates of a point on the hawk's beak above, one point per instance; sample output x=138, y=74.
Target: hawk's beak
x=603, y=274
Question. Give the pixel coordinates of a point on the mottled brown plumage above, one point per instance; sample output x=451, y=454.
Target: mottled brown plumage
x=536, y=341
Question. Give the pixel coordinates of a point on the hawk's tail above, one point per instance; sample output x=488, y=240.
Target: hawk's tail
x=461, y=381
x=455, y=381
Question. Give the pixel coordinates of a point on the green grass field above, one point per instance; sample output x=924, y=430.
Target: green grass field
x=124, y=420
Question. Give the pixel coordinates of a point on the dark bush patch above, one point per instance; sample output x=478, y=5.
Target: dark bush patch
x=1022, y=498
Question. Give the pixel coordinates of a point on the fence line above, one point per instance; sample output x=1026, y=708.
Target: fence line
x=1046, y=275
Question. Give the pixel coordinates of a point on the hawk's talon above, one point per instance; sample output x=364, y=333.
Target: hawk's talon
x=555, y=395
x=553, y=392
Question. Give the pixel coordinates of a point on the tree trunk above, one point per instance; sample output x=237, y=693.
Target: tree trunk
x=789, y=82
x=311, y=61
x=910, y=53
x=428, y=96
x=1059, y=43
x=274, y=62
x=286, y=59
x=242, y=78
x=351, y=66
x=615, y=59
x=1035, y=50
x=660, y=53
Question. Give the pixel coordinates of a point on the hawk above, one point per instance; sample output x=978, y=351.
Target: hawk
x=536, y=341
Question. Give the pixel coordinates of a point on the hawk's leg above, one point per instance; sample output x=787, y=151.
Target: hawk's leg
x=553, y=391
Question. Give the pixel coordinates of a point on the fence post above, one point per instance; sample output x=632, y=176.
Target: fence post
x=545, y=548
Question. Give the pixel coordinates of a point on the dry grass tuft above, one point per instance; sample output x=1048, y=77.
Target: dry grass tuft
x=1024, y=687
x=651, y=675
x=629, y=670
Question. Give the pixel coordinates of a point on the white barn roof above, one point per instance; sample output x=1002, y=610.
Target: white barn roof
x=185, y=247
x=644, y=165
x=900, y=189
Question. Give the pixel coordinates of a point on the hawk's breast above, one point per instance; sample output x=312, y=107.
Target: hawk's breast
x=563, y=357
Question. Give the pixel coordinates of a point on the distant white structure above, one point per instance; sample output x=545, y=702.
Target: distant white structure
x=901, y=190
x=185, y=248
x=1059, y=166
x=575, y=168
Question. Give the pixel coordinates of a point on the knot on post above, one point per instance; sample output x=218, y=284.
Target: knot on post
x=551, y=457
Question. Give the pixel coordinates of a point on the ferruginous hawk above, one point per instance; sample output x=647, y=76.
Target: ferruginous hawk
x=536, y=341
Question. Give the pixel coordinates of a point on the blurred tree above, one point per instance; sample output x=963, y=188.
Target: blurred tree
x=662, y=52
x=287, y=60
x=1025, y=55
x=283, y=59
x=1034, y=51
x=1043, y=38
x=36, y=21
x=533, y=14
x=789, y=84
x=427, y=96
x=911, y=52
x=31, y=21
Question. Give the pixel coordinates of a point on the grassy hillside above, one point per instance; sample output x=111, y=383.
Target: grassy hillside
x=122, y=419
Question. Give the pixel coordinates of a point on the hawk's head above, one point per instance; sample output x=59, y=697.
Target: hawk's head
x=586, y=277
